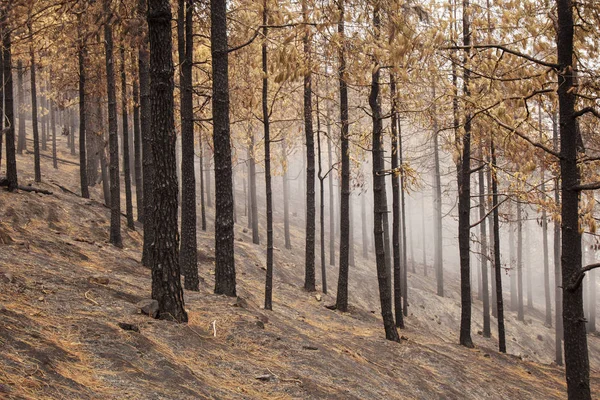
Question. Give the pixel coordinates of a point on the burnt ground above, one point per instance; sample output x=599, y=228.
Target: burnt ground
x=64, y=290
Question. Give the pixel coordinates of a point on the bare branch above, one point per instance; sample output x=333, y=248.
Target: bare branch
x=506, y=50
x=578, y=278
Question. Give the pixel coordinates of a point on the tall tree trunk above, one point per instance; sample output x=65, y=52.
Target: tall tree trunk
x=513, y=260
x=126, y=164
x=437, y=203
x=253, y=200
x=286, y=196
x=188, y=256
x=484, y=254
x=224, y=260
x=207, y=180
x=520, y=309
x=137, y=151
x=528, y=266
x=113, y=138
x=396, y=207
x=53, y=124
x=93, y=136
x=233, y=173
x=72, y=131
x=558, y=322
x=321, y=202
x=81, y=57
x=166, y=284
x=267, y=139
x=146, y=132
x=9, y=113
x=201, y=162
x=464, y=197
x=43, y=107
x=21, y=138
x=404, y=253
x=332, y=194
x=102, y=151
x=497, y=265
x=34, y=109
x=309, y=268
x=379, y=195
x=492, y=237
x=547, y=294
x=342, y=289
x=576, y=349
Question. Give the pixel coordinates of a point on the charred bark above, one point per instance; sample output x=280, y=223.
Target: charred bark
x=166, y=284
x=224, y=249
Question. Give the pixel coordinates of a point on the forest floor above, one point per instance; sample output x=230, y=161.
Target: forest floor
x=64, y=290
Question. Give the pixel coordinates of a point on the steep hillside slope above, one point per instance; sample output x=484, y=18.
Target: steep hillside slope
x=64, y=291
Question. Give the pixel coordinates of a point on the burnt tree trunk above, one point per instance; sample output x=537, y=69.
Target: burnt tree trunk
x=576, y=349
x=398, y=286
x=146, y=133
x=464, y=198
x=520, y=309
x=437, y=204
x=34, y=109
x=484, y=253
x=404, y=265
x=342, y=288
x=492, y=236
x=137, y=151
x=558, y=322
x=53, y=124
x=253, y=200
x=332, y=194
x=113, y=138
x=166, y=284
x=513, y=260
x=547, y=295
x=72, y=131
x=321, y=202
x=188, y=256
x=497, y=265
x=224, y=250
x=207, y=180
x=267, y=139
x=309, y=257
x=126, y=164
x=81, y=57
x=379, y=195
x=286, y=196
x=9, y=113
x=21, y=138
x=201, y=162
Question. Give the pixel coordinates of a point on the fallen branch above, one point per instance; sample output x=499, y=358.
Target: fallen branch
x=4, y=182
x=578, y=278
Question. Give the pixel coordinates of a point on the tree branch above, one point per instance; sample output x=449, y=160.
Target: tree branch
x=506, y=50
x=586, y=110
x=578, y=278
x=586, y=186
